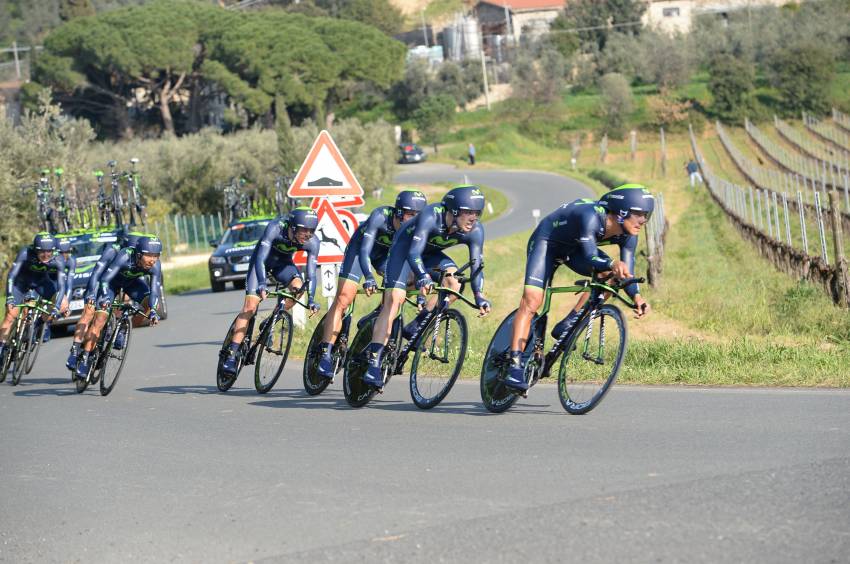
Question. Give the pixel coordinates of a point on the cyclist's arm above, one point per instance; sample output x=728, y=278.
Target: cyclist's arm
x=104, y=260
x=60, y=280
x=588, y=258
x=261, y=252
x=156, y=282
x=370, y=231
x=121, y=260
x=15, y=270
x=312, y=250
x=69, y=278
x=627, y=255
x=425, y=223
x=476, y=258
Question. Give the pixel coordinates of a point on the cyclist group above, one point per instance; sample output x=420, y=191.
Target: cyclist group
x=46, y=269
x=404, y=244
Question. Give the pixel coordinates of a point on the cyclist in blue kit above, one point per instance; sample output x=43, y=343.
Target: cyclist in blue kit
x=368, y=249
x=280, y=241
x=571, y=235
x=417, y=249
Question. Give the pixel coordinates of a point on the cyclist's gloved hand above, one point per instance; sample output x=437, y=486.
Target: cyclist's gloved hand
x=424, y=281
x=369, y=286
x=154, y=317
x=483, y=304
x=314, y=306
x=420, y=301
x=10, y=300
x=55, y=313
x=262, y=291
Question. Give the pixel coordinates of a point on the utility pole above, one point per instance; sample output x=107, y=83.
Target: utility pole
x=484, y=71
x=424, y=29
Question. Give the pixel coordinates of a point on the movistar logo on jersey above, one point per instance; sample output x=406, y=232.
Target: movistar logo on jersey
x=385, y=240
x=284, y=248
x=557, y=223
x=441, y=242
x=245, y=244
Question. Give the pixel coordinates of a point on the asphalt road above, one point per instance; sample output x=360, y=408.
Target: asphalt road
x=526, y=191
x=166, y=469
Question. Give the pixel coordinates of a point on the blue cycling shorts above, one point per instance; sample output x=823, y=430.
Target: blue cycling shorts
x=45, y=288
x=400, y=275
x=280, y=267
x=544, y=257
x=137, y=289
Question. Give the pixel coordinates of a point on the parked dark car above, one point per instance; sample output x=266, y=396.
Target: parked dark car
x=232, y=255
x=411, y=153
x=87, y=245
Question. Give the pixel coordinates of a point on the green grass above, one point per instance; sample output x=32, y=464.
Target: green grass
x=187, y=278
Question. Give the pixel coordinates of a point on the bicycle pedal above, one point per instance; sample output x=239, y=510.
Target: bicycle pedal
x=524, y=394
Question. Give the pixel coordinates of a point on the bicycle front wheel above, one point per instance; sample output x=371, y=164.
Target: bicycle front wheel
x=313, y=383
x=592, y=359
x=35, y=346
x=111, y=361
x=438, y=359
x=24, y=342
x=358, y=393
x=272, y=350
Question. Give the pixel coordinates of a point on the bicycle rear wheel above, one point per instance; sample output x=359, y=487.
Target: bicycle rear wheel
x=358, y=393
x=222, y=379
x=272, y=345
x=35, y=346
x=497, y=397
x=592, y=359
x=111, y=361
x=438, y=359
x=7, y=361
x=313, y=383
x=23, y=343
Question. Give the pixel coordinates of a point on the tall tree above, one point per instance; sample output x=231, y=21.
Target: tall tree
x=596, y=20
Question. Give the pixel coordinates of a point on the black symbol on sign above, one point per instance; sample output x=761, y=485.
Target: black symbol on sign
x=325, y=181
x=325, y=239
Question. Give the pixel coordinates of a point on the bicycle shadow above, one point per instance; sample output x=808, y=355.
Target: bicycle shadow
x=204, y=391
x=190, y=344
x=40, y=392
x=30, y=381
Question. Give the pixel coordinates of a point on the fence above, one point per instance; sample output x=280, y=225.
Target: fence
x=841, y=120
x=656, y=235
x=838, y=160
x=756, y=215
x=186, y=234
x=773, y=181
x=814, y=171
x=831, y=135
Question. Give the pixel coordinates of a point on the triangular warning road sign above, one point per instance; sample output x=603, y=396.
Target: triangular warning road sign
x=332, y=235
x=324, y=173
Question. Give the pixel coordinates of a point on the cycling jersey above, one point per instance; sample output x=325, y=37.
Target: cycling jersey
x=571, y=235
x=419, y=243
x=27, y=272
x=123, y=272
x=274, y=253
x=70, y=268
x=369, y=246
x=107, y=253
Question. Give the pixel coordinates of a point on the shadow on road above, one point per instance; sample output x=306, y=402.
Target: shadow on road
x=208, y=390
x=173, y=345
x=47, y=392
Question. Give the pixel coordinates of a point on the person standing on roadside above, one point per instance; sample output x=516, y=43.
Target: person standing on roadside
x=471, y=154
x=693, y=172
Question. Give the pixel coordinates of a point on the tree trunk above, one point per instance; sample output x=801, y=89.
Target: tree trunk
x=165, y=96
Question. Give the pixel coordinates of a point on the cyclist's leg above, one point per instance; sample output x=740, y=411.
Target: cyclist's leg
x=437, y=261
x=12, y=308
x=349, y=277
x=104, y=308
x=249, y=309
x=287, y=273
x=538, y=273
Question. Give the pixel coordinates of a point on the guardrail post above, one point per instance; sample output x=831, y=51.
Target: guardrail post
x=842, y=282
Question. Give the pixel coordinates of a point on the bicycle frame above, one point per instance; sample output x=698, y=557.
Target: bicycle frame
x=249, y=348
x=597, y=290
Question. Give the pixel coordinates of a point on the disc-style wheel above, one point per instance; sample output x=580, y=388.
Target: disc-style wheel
x=272, y=350
x=222, y=379
x=438, y=359
x=111, y=360
x=496, y=396
x=358, y=393
x=313, y=383
x=35, y=346
x=592, y=359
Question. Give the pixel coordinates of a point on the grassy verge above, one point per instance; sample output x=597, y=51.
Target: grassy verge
x=187, y=278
